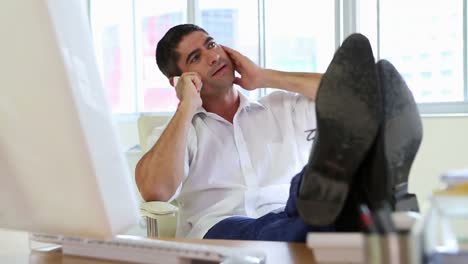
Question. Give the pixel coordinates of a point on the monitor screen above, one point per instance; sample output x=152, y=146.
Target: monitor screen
x=61, y=168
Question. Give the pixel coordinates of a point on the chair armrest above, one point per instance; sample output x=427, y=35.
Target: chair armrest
x=158, y=208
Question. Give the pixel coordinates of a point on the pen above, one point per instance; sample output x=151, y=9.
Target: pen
x=372, y=245
x=383, y=218
x=389, y=241
x=367, y=220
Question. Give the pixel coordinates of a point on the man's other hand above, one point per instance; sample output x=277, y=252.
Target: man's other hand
x=251, y=74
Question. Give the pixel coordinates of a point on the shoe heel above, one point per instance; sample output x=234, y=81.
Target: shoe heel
x=329, y=197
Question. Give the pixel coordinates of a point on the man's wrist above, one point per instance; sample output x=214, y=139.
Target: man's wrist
x=187, y=107
x=266, y=78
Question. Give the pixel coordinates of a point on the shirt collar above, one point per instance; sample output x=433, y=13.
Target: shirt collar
x=245, y=102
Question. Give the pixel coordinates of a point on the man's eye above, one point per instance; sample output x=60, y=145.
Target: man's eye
x=194, y=59
x=212, y=45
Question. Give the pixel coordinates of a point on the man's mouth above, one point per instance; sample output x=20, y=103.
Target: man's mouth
x=220, y=69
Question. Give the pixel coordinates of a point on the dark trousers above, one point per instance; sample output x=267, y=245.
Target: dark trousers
x=283, y=226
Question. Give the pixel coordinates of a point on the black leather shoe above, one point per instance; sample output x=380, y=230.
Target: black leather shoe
x=383, y=176
x=349, y=112
x=396, y=145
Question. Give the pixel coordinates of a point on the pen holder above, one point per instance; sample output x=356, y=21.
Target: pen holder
x=409, y=230
x=402, y=246
x=390, y=248
x=382, y=248
x=372, y=248
x=405, y=246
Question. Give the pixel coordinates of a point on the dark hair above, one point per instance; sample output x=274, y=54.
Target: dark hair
x=166, y=54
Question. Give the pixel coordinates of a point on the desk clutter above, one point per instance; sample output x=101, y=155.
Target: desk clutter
x=446, y=225
x=393, y=244
x=440, y=237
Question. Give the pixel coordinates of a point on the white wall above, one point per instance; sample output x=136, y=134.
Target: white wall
x=444, y=147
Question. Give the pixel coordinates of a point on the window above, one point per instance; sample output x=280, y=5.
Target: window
x=431, y=33
x=424, y=39
x=126, y=36
x=113, y=41
x=300, y=41
x=152, y=20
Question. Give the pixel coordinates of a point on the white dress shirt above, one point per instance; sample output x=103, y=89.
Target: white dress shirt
x=243, y=168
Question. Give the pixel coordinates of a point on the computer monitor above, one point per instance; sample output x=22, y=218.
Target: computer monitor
x=61, y=167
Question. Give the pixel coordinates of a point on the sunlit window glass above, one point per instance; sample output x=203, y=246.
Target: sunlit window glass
x=424, y=39
x=300, y=34
x=113, y=42
x=366, y=21
x=152, y=20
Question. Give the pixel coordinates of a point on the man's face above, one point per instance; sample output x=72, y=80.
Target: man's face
x=201, y=54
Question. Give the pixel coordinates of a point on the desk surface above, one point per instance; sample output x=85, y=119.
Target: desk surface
x=14, y=248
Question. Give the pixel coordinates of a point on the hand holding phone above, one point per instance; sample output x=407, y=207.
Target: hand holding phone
x=174, y=80
x=188, y=87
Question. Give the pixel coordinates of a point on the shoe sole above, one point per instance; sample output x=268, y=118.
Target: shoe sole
x=348, y=115
x=396, y=145
x=382, y=178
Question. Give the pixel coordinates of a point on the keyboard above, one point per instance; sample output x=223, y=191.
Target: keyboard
x=143, y=250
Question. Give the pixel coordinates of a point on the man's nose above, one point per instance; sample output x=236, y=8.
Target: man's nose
x=213, y=57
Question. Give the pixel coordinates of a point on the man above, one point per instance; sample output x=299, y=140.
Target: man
x=231, y=159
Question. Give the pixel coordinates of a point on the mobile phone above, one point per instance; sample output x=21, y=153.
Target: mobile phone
x=173, y=80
